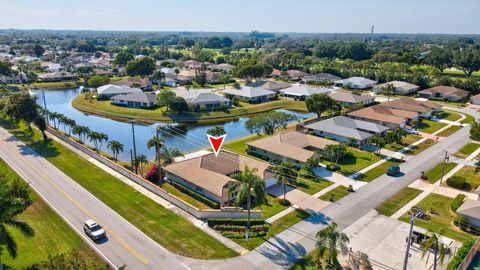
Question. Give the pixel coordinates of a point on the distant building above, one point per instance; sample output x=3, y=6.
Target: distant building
x=135, y=100
x=270, y=85
x=444, y=92
x=422, y=108
x=58, y=76
x=355, y=83
x=301, y=92
x=321, y=77
x=204, y=99
x=110, y=90
x=475, y=100
x=142, y=83
x=251, y=94
x=351, y=100
x=401, y=88
x=384, y=116
x=294, y=75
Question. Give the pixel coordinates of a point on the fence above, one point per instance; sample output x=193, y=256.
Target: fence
x=470, y=255
x=198, y=213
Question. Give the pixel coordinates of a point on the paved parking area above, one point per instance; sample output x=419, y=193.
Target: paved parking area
x=383, y=239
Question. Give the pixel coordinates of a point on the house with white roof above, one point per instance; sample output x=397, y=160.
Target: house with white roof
x=401, y=87
x=355, y=83
x=250, y=94
x=301, y=92
x=204, y=99
x=50, y=66
x=110, y=90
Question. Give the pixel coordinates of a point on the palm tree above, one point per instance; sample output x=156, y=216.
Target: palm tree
x=285, y=173
x=82, y=132
x=248, y=183
x=102, y=138
x=116, y=148
x=70, y=123
x=95, y=138
x=158, y=144
x=54, y=116
x=439, y=248
x=328, y=241
x=14, y=199
x=139, y=162
x=166, y=156
x=157, y=77
x=388, y=90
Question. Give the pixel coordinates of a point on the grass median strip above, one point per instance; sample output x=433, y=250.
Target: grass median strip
x=435, y=173
x=377, y=171
x=467, y=150
x=335, y=194
x=449, y=131
x=162, y=225
x=397, y=201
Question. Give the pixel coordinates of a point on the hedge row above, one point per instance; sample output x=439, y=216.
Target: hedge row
x=237, y=228
x=242, y=234
x=196, y=196
x=461, y=254
x=457, y=202
x=212, y=222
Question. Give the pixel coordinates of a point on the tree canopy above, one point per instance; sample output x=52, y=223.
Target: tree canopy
x=321, y=103
x=269, y=122
x=142, y=67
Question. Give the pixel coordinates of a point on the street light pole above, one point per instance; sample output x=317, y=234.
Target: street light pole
x=413, y=215
x=444, y=164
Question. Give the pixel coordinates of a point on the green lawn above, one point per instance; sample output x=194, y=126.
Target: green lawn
x=442, y=220
x=377, y=171
x=51, y=85
x=104, y=108
x=409, y=139
x=240, y=145
x=449, y=115
x=469, y=119
x=52, y=235
x=162, y=225
x=312, y=186
x=429, y=126
x=449, y=131
x=335, y=194
x=435, y=173
x=185, y=197
x=397, y=201
x=420, y=147
x=277, y=227
x=271, y=208
x=356, y=162
x=472, y=178
x=467, y=150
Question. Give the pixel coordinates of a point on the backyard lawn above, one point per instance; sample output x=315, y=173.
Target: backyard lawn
x=52, y=235
x=449, y=131
x=377, y=171
x=472, y=178
x=467, y=150
x=162, y=225
x=409, y=139
x=277, y=227
x=429, y=126
x=335, y=194
x=442, y=220
x=240, y=145
x=435, y=173
x=397, y=201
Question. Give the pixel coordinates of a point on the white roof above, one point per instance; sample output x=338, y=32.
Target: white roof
x=356, y=80
x=249, y=92
x=111, y=89
x=304, y=90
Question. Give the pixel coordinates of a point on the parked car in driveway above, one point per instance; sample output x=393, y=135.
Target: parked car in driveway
x=393, y=170
x=411, y=131
x=93, y=230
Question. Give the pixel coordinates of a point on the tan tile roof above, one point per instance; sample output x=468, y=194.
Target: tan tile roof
x=292, y=144
x=476, y=97
x=409, y=104
x=350, y=98
x=446, y=90
x=384, y=114
x=211, y=173
x=399, y=84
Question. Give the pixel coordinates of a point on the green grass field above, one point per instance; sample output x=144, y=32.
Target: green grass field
x=52, y=235
x=449, y=115
x=449, y=131
x=471, y=176
x=162, y=225
x=312, y=186
x=356, y=162
x=429, y=126
x=377, y=171
x=442, y=220
x=435, y=173
x=467, y=150
x=335, y=194
x=271, y=208
x=420, y=147
x=409, y=139
x=397, y=201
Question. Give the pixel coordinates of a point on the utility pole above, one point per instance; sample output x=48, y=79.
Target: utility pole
x=134, y=145
x=413, y=215
x=158, y=158
x=45, y=105
x=445, y=160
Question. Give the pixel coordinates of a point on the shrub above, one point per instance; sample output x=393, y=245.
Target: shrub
x=196, y=196
x=350, y=188
x=457, y=202
x=333, y=167
x=456, y=182
x=461, y=254
x=237, y=228
x=239, y=235
x=284, y=202
x=212, y=222
x=152, y=174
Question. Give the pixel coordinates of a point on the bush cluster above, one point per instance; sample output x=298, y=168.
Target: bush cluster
x=196, y=196
x=457, y=202
x=461, y=253
x=212, y=222
x=456, y=182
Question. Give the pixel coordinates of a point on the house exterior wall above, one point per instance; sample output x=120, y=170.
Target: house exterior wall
x=335, y=137
x=475, y=101
x=473, y=221
x=273, y=156
x=221, y=199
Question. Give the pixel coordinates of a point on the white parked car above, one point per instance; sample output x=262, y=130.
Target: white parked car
x=93, y=230
x=411, y=131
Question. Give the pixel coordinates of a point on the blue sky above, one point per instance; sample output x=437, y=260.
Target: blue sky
x=323, y=16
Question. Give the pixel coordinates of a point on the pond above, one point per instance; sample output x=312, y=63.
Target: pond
x=186, y=137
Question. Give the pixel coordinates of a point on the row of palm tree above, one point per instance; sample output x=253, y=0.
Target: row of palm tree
x=390, y=137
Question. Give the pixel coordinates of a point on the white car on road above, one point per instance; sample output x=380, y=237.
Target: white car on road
x=93, y=230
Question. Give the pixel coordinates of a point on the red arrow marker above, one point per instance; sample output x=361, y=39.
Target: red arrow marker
x=216, y=142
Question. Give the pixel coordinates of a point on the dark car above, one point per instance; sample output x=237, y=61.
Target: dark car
x=393, y=170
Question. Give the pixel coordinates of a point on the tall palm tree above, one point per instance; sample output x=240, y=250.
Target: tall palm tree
x=329, y=240
x=140, y=161
x=102, y=138
x=166, y=156
x=14, y=199
x=116, y=148
x=248, y=183
x=158, y=77
x=158, y=144
x=54, y=117
x=285, y=173
x=440, y=250
x=388, y=90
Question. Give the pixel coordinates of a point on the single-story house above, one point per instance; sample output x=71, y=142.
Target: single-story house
x=50, y=66
x=193, y=64
x=355, y=83
x=384, y=116
x=204, y=99
x=401, y=87
x=211, y=77
x=301, y=92
x=142, y=83
x=351, y=100
x=58, y=76
x=289, y=146
x=222, y=67
x=101, y=62
x=103, y=72
x=444, y=92
x=110, y=90
x=475, y=100
x=135, y=100
x=270, y=85
x=294, y=75
x=250, y=94
x=210, y=175
x=423, y=108
x=470, y=210
x=321, y=77
x=345, y=129
x=14, y=78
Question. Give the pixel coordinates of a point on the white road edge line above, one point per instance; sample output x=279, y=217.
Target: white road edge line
x=186, y=266
x=63, y=217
